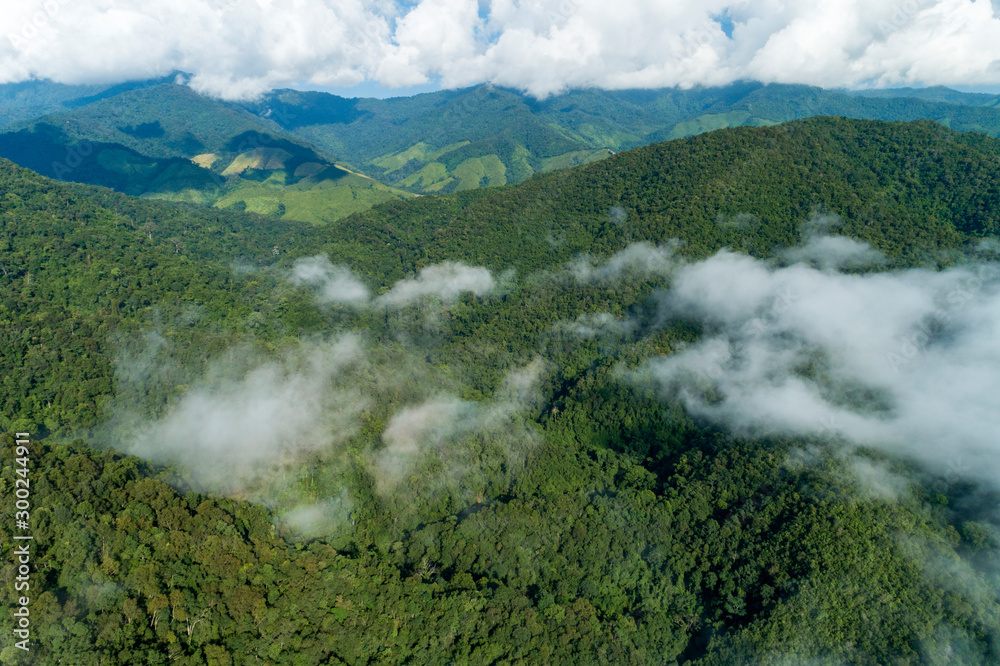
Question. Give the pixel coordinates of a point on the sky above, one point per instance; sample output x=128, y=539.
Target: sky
x=238, y=49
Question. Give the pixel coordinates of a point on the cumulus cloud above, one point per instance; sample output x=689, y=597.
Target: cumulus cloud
x=332, y=284
x=240, y=48
x=446, y=281
x=905, y=361
x=227, y=430
x=233, y=48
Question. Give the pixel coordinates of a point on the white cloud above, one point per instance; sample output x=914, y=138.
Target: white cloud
x=418, y=428
x=834, y=252
x=435, y=428
x=332, y=284
x=240, y=48
x=446, y=281
x=597, y=325
x=432, y=35
x=234, y=48
x=228, y=431
x=319, y=518
x=906, y=361
x=637, y=260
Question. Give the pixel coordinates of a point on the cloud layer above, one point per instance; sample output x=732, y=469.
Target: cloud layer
x=906, y=361
x=228, y=430
x=240, y=48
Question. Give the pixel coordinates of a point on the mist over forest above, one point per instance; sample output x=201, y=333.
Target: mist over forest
x=644, y=364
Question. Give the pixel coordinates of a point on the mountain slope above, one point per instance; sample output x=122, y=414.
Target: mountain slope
x=905, y=187
x=585, y=520
x=931, y=94
x=27, y=100
x=163, y=121
x=910, y=189
x=165, y=141
x=444, y=141
x=434, y=143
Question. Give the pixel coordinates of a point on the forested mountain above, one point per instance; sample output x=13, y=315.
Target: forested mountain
x=166, y=120
x=460, y=463
x=448, y=140
x=932, y=94
x=908, y=188
x=35, y=98
x=165, y=141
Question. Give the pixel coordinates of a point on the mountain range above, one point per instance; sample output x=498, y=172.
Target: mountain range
x=316, y=157
x=503, y=424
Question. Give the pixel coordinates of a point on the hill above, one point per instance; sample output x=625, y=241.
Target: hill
x=910, y=189
x=551, y=509
x=165, y=141
x=455, y=140
x=165, y=120
x=27, y=100
x=931, y=94
x=465, y=473
x=431, y=144
x=904, y=187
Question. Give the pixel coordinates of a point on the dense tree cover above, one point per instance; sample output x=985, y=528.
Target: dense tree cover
x=909, y=189
x=167, y=142
x=48, y=150
x=586, y=557
x=437, y=142
x=82, y=257
x=434, y=134
x=82, y=267
x=932, y=94
x=160, y=121
x=597, y=524
x=257, y=171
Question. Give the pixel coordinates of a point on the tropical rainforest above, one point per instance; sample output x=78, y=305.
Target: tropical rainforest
x=431, y=430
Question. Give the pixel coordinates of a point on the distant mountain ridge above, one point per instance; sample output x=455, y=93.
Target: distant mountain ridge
x=931, y=94
x=163, y=120
x=440, y=142
x=167, y=141
x=35, y=98
x=160, y=138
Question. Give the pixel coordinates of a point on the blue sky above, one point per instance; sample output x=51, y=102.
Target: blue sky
x=374, y=89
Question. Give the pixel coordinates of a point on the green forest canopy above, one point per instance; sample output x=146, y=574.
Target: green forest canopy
x=600, y=525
